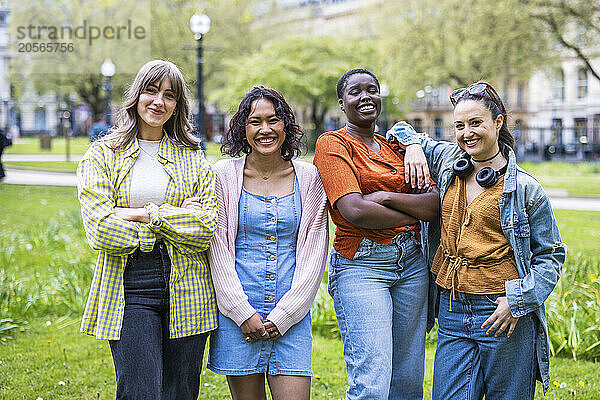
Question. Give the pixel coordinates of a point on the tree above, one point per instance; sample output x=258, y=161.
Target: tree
x=170, y=35
x=574, y=24
x=305, y=70
x=231, y=35
x=457, y=42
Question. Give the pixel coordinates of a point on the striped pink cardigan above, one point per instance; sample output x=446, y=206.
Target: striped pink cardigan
x=311, y=247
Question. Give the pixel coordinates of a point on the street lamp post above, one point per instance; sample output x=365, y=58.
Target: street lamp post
x=200, y=25
x=385, y=92
x=108, y=70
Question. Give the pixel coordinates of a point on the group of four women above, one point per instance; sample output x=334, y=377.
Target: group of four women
x=169, y=228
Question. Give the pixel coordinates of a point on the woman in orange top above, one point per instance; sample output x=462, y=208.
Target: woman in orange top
x=378, y=277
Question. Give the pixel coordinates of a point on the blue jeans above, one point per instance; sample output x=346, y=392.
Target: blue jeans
x=380, y=300
x=148, y=364
x=470, y=364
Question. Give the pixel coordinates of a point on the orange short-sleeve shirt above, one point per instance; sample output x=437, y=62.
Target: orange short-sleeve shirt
x=346, y=166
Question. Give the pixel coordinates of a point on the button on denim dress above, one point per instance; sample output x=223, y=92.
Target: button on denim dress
x=265, y=260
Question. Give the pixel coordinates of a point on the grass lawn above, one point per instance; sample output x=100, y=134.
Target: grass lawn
x=31, y=145
x=41, y=233
x=59, y=166
x=582, y=179
x=78, y=145
x=56, y=361
x=580, y=230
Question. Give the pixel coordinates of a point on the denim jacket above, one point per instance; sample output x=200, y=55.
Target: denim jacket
x=527, y=222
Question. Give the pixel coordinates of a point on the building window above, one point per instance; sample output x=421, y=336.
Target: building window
x=582, y=83
x=418, y=124
x=596, y=130
x=438, y=128
x=40, y=119
x=520, y=94
x=580, y=127
x=558, y=85
x=557, y=131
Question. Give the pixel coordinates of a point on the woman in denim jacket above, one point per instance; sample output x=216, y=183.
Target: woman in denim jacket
x=492, y=344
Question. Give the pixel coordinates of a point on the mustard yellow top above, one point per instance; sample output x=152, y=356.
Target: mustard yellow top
x=474, y=255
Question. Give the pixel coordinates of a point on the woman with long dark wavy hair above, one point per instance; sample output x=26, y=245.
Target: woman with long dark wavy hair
x=499, y=253
x=148, y=205
x=268, y=254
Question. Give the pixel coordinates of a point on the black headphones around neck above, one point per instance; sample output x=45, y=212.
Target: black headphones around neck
x=486, y=177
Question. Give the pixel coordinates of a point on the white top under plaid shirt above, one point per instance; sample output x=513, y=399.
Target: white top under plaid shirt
x=104, y=177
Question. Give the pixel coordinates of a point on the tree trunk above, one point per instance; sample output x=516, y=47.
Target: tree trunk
x=91, y=92
x=318, y=119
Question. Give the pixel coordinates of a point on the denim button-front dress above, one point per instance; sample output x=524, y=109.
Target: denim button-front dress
x=265, y=260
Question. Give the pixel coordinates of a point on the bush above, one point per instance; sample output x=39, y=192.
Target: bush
x=573, y=309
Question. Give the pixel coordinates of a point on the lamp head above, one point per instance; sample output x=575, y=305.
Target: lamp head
x=199, y=25
x=108, y=68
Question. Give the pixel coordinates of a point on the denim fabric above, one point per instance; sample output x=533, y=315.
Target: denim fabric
x=265, y=262
x=148, y=364
x=470, y=364
x=527, y=222
x=380, y=300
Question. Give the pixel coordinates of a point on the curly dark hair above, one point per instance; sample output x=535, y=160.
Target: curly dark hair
x=235, y=144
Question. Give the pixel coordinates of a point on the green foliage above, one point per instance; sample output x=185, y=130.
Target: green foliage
x=572, y=24
x=323, y=314
x=573, y=309
x=457, y=42
x=304, y=69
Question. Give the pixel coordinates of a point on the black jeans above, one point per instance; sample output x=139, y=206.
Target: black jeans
x=148, y=364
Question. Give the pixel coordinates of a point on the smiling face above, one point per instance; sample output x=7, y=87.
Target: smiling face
x=361, y=100
x=476, y=131
x=265, y=131
x=156, y=105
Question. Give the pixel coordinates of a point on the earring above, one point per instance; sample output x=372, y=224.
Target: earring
x=175, y=112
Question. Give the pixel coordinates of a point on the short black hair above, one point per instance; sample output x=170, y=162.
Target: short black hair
x=342, y=82
x=235, y=143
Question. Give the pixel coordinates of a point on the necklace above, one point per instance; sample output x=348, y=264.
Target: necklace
x=488, y=159
x=266, y=176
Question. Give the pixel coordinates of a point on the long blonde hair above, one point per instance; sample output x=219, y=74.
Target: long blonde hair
x=178, y=128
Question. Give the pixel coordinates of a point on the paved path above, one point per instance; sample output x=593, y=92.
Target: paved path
x=559, y=198
x=31, y=177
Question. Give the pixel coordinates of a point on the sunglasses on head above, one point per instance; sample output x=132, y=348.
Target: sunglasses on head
x=477, y=89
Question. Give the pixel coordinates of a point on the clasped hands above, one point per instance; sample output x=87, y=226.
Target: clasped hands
x=255, y=328
x=139, y=214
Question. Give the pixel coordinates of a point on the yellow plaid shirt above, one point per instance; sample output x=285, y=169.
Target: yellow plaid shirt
x=104, y=177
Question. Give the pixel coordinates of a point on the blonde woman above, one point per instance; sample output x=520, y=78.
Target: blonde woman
x=151, y=294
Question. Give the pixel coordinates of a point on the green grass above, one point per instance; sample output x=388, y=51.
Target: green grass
x=582, y=179
x=36, y=362
x=78, y=145
x=580, y=230
x=46, y=261
x=58, y=166
x=31, y=145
